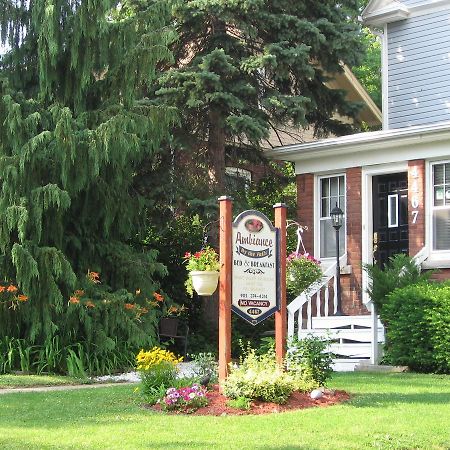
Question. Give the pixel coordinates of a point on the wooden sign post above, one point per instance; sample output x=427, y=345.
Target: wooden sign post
x=280, y=315
x=257, y=251
x=225, y=220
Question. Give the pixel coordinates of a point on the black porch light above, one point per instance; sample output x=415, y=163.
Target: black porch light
x=337, y=219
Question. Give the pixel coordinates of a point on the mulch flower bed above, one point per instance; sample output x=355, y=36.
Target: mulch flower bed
x=217, y=405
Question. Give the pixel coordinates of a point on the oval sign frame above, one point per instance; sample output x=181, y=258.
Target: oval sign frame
x=255, y=278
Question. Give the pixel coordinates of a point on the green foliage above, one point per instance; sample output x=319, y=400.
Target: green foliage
x=240, y=403
x=158, y=370
x=418, y=327
x=76, y=138
x=400, y=271
x=301, y=272
x=154, y=382
x=244, y=69
x=310, y=360
x=278, y=186
x=369, y=72
x=205, y=366
x=259, y=377
x=52, y=356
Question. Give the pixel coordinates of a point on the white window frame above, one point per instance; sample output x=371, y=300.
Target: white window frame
x=317, y=218
x=437, y=255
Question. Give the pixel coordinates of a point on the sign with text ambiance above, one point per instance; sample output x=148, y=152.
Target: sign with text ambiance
x=255, y=274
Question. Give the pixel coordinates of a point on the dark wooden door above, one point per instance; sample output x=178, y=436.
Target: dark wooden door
x=390, y=216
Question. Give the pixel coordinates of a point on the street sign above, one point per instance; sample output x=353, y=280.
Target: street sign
x=255, y=267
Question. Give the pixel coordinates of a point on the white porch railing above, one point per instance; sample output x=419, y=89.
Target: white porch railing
x=421, y=256
x=317, y=295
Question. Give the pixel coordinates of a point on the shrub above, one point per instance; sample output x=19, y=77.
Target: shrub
x=205, y=367
x=310, y=361
x=239, y=403
x=158, y=370
x=259, y=377
x=418, y=327
x=186, y=399
x=302, y=270
x=400, y=271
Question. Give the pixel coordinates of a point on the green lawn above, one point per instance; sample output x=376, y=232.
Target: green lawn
x=19, y=381
x=387, y=411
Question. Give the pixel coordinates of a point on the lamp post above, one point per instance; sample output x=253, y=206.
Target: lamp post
x=337, y=218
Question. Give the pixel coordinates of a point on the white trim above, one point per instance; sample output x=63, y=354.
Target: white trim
x=391, y=223
x=367, y=174
x=364, y=141
x=434, y=256
x=379, y=13
x=396, y=11
x=372, y=148
x=317, y=206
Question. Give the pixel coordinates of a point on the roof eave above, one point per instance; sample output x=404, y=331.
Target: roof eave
x=361, y=142
x=379, y=17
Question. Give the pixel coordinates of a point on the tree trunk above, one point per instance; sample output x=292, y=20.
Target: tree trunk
x=216, y=151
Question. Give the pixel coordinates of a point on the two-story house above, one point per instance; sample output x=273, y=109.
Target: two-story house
x=393, y=184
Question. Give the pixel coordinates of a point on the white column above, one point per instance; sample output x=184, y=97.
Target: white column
x=374, y=351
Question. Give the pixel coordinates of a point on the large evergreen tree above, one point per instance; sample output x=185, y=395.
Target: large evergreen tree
x=75, y=131
x=246, y=68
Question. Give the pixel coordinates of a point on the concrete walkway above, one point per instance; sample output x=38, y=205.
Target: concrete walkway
x=64, y=387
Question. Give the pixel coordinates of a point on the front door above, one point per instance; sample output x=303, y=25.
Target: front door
x=390, y=216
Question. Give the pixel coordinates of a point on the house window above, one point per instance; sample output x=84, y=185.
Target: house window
x=441, y=206
x=237, y=179
x=331, y=193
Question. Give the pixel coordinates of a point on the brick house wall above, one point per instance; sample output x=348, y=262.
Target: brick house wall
x=350, y=283
x=416, y=205
x=305, y=208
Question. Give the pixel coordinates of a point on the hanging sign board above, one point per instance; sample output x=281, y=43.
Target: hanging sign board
x=255, y=274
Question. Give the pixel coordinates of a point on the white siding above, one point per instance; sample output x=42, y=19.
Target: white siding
x=419, y=69
x=410, y=3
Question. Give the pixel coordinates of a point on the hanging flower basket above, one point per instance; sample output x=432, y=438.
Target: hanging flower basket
x=203, y=267
x=204, y=282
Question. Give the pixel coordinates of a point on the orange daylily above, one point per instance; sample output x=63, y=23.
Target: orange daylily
x=90, y=304
x=22, y=298
x=79, y=293
x=94, y=276
x=12, y=288
x=158, y=297
x=74, y=300
x=2, y=288
x=129, y=306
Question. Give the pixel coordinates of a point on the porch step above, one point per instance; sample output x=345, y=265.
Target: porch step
x=365, y=366
x=351, y=338
x=343, y=321
x=342, y=334
x=347, y=364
